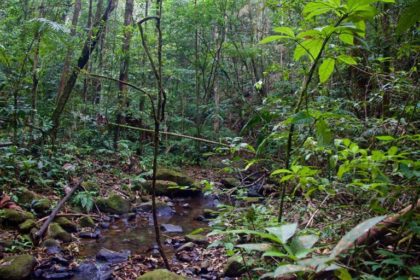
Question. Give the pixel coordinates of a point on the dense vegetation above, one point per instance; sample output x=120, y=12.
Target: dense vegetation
x=301, y=117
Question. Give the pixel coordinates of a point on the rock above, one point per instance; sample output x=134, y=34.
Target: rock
x=197, y=239
x=105, y=225
x=210, y=214
x=174, y=176
x=234, y=267
x=17, y=267
x=52, y=245
x=26, y=197
x=186, y=247
x=230, y=182
x=168, y=228
x=91, y=270
x=160, y=274
x=114, y=204
x=86, y=222
x=170, y=188
x=15, y=217
x=27, y=225
x=92, y=235
x=55, y=231
x=183, y=256
x=41, y=206
x=112, y=257
x=147, y=206
x=66, y=224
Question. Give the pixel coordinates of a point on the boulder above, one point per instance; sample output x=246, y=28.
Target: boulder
x=197, y=239
x=210, y=214
x=15, y=217
x=27, y=225
x=66, y=224
x=186, y=247
x=86, y=222
x=174, y=176
x=114, y=204
x=230, y=182
x=26, y=197
x=234, y=267
x=17, y=267
x=55, y=231
x=160, y=274
x=112, y=257
x=170, y=188
x=41, y=206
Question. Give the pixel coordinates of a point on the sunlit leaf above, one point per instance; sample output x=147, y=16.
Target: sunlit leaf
x=288, y=269
x=347, y=59
x=283, y=232
x=326, y=69
x=262, y=247
x=301, y=245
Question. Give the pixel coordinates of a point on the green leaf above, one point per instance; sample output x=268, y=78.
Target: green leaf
x=289, y=268
x=409, y=17
x=273, y=38
x=284, y=30
x=301, y=245
x=354, y=234
x=385, y=138
x=326, y=69
x=343, y=274
x=280, y=171
x=347, y=38
x=275, y=253
x=323, y=133
x=316, y=8
x=310, y=47
x=261, y=247
x=347, y=59
x=283, y=232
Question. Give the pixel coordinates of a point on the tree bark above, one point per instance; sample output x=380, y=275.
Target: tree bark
x=88, y=47
x=122, y=95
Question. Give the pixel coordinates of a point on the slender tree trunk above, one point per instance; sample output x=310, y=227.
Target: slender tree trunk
x=122, y=95
x=88, y=47
x=67, y=61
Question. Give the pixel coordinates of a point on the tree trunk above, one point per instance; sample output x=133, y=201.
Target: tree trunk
x=88, y=47
x=122, y=95
x=67, y=61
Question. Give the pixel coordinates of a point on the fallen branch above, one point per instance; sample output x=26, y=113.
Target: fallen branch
x=172, y=134
x=3, y=145
x=40, y=233
x=69, y=215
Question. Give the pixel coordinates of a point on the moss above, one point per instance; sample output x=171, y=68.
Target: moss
x=66, y=224
x=114, y=204
x=50, y=243
x=86, y=222
x=170, y=188
x=234, y=267
x=17, y=267
x=26, y=196
x=160, y=274
x=55, y=231
x=174, y=176
x=42, y=205
x=14, y=217
x=197, y=238
x=27, y=225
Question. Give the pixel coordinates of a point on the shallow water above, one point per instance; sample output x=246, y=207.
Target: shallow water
x=137, y=236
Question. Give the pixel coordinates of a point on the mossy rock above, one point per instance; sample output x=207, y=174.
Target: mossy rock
x=161, y=274
x=197, y=239
x=231, y=182
x=86, y=222
x=27, y=225
x=210, y=214
x=234, y=267
x=17, y=267
x=180, y=179
x=66, y=224
x=114, y=204
x=55, y=231
x=90, y=185
x=14, y=217
x=26, y=197
x=170, y=188
x=50, y=243
x=41, y=206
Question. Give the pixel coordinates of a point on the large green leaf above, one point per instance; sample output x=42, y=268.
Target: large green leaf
x=302, y=245
x=326, y=69
x=283, y=232
x=347, y=59
x=284, y=30
x=317, y=8
x=323, y=133
x=409, y=16
x=289, y=268
x=273, y=38
x=354, y=234
x=261, y=247
x=310, y=47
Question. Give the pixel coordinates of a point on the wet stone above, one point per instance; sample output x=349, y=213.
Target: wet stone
x=92, y=235
x=112, y=257
x=169, y=228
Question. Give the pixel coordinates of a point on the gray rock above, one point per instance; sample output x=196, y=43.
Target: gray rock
x=17, y=267
x=112, y=257
x=171, y=228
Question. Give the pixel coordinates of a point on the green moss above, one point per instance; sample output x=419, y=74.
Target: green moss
x=17, y=267
x=27, y=225
x=66, y=224
x=55, y=231
x=160, y=274
x=26, y=196
x=114, y=204
x=14, y=217
x=197, y=238
x=174, y=176
x=170, y=188
x=234, y=267
x=87, y=222
x=42, y=205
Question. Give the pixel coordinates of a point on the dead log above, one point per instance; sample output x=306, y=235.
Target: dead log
x=40, y=233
